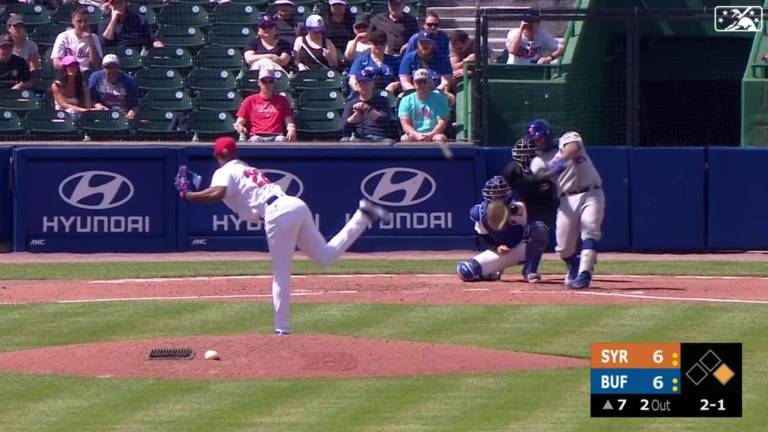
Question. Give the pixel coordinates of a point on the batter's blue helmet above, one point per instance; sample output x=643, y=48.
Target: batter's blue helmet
x=539, y=128
x=497, y=188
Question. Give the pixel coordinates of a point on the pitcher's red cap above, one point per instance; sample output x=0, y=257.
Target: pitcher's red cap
x=225, y=144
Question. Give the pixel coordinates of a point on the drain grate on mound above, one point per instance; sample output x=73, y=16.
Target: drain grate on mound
x=171, y=354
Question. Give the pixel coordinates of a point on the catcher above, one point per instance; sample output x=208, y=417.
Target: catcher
x=501, y=222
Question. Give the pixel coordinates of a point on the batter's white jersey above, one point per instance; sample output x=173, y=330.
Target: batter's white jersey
x=579, y=172
x=247, y=189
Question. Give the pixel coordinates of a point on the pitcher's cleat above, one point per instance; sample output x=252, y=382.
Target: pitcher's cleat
x=374, y=212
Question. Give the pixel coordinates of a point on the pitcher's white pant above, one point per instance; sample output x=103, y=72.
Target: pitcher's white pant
x=491, y=262
x=580, y=216
x=288, y=223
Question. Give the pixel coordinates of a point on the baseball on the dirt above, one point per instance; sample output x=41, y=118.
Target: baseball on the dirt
x=211, y=355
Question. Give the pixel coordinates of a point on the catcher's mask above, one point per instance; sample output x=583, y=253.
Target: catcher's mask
x=523, y=153
x=497, y=188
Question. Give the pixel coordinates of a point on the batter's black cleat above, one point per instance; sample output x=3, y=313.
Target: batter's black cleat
x=374, y=212
x=582, y=281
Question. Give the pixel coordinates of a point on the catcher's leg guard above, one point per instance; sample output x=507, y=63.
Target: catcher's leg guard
x=538, y=235
x=470, y=270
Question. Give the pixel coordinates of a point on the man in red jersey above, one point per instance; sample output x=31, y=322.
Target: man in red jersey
x=266, y=116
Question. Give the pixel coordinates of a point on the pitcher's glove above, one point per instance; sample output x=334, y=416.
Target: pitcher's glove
x=186, y=181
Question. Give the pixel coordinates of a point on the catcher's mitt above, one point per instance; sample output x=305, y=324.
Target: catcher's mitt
x=498, y=214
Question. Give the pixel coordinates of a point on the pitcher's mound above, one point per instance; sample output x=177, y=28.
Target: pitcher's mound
x=259, y=356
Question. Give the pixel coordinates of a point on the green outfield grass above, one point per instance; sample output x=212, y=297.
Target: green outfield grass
x=110, y=270
x=515, y=401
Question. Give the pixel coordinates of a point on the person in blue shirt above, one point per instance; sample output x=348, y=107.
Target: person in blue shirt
x=425, y=57
x=367, y=117
x=387, y=65
x=111, y=89
x=432, y=25
x=507, y=245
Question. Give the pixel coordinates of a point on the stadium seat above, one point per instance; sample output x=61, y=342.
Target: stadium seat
x=290, y=98
x=144, y=10
x=104, y=124
x=49, y=123
x=205, y=79
x=18, y=100
x=155, y=124
x=236, y=14
x=34, y=15
x=130, y=58
x=320, y=99
x=159, y=79
x=169, y=58
x=218, y=100
x=42, y=79
x=155, y=5
x=249, y=82
x=167, y=100
x=189, y=37
x=229, y=35
x=313, y=124
x=180, y=14
x=63, y=15
x=260, y=4
x=318, y=79
x=45, y=35
x=219, y=57
x=10, y=125
x=210, y=124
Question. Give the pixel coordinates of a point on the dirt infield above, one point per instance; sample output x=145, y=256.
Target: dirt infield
x=259, y=356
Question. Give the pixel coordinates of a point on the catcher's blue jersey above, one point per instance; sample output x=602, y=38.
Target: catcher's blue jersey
x=510, y=235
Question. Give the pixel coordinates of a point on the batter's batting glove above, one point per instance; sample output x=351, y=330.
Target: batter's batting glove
x=556, y=166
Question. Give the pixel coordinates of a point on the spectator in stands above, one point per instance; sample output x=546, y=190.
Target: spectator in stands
x=69, y=91
x=79, y=42
x=398, y=25
x=266, y=50
x=439, y=68
x=361, y=42
x=14, y=71
x=112, y=89
x=125, y=28
x=339, y=23
x=386, y=65
x=266, y=116
x=531, y=44
x=424, y=114
x=432, y=25
x=22, y=46
x=367, y=117
x=288, y=28
x=462, y=52
x=315, y=51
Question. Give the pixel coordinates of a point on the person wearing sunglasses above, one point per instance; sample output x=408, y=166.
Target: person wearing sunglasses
x=266, y=116
x=361, y=42
x=266, y=51
x=387, y=66
x=432, y=25
x=315, y=51
x=22, y=46
x=424, y=114
x=425, y=57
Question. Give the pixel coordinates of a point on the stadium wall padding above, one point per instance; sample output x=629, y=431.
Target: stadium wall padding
x=6, y=203
x=101, y=199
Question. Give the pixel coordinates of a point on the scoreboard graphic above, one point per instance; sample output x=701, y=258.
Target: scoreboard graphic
x=666, y=380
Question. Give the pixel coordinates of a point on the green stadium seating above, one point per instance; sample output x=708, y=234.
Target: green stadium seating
x=34, y=15
x=318, y=79
x=236, y=14
x=219, y=57
x=159, y=79
x=44, y=35
x=42, y=79
x=189, y=37
x=180, y=14
x=155, y=124
x=144, y=10
x=218, y=100
x=210, y=124
x=169, y=58
x=155, y=5
x=391, y=98
x=290, y=98
x=206, y=79
x=10, y=125
x=260, y=4
x=313, y=124
x=321, y=99
x=63, y=15
x=230, y=35
x=104, y=124
x=18, y=100
x=130, y=58
x=249, y=82
x=49, y=123
x=167, y=100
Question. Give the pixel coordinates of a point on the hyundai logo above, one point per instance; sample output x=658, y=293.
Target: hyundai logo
x=398, y=186
x=288, y=182
x=96, y=190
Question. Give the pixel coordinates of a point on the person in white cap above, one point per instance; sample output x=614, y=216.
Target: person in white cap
x=111, y=89
x=315, y=51
x=424, y=114
x=266, y=116
x=79, y=42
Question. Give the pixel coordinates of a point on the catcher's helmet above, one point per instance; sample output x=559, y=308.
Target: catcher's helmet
x=497, y=188
x=523, y=153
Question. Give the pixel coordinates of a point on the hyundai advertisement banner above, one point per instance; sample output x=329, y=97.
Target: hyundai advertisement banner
x=94, y=199
x=428, y=195
x=6, y=205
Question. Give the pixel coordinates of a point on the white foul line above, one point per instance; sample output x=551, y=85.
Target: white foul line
x=690, y=299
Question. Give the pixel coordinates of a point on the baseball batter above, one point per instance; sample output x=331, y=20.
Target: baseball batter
x=287, y=220
x=505, y=233
x=539, y=196
x=582, y=203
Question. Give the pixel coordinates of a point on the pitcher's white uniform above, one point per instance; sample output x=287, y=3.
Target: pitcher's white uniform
x=288, y=223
